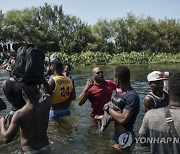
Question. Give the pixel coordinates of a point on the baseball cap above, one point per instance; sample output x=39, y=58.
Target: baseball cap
x=155, y=76
x=54, y=58
x=166, y=75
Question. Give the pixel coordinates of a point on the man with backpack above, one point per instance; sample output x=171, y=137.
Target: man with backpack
x=28, y=68
x=32, y=120
x=160, y=127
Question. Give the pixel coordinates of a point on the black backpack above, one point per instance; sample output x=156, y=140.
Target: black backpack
x=29, y=65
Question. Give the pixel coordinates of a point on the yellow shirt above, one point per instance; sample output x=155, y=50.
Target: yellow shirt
x=63, y=88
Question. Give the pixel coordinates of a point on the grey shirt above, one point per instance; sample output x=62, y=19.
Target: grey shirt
x=158, y=133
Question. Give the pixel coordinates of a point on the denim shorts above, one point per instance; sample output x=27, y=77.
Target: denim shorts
x=56, y=114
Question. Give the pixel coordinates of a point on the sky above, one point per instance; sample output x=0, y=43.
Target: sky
x=90, y=11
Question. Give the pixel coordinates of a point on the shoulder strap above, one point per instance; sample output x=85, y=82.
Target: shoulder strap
x=170, y=121
x=154, y=99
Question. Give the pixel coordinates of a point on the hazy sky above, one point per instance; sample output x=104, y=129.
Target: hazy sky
x=91, y=10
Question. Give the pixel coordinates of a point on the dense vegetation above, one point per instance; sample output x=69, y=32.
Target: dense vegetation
x=126, y=40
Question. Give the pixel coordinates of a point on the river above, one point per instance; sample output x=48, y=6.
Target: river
x=76, y=133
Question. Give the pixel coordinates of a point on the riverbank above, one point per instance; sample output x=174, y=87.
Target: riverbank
x=102, y=58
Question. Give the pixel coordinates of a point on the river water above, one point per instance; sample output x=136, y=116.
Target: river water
x=77, y=133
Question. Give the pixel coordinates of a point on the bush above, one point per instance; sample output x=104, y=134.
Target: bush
x=103, y=58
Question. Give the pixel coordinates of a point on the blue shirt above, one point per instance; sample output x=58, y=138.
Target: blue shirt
x=132, y=103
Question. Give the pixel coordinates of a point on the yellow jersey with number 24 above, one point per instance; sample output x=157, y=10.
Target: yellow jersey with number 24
x=63, y=88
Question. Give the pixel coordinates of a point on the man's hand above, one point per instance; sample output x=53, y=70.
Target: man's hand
x=89, y=84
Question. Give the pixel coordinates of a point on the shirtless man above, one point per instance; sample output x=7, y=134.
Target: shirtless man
x=63, y=92
x=13, y=92
x=31, y=119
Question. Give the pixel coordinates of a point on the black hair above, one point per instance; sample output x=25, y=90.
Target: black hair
x=57, y=66
x=122, y=73
x=69, y=65
x=174, y=87
x=31, y=90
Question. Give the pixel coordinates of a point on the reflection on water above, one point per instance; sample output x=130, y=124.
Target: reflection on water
x=76, y=133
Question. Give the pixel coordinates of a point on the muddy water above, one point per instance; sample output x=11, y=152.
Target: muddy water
x=76, y=133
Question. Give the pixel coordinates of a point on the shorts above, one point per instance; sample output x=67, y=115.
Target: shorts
x=126, y=139
x=44, y=150
x=56, y=114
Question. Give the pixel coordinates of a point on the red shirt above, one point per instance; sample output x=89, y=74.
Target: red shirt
x=98, y=96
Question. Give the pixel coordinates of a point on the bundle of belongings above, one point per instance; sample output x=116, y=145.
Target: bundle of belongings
x=29, y=65
x=115, y=103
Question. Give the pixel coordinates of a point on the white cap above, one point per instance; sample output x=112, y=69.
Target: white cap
x=155, y=76
x=166, y=75
x=53, y=57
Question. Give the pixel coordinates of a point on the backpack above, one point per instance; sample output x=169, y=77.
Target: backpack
x=29, y=65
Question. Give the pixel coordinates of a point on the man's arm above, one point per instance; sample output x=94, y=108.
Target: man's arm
x=9, y=134
x=120, y=117
x=51, y=84
x=84, y=95
x=47, y=88
x=148, y=103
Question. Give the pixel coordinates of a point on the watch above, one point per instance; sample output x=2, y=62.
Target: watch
x=106, y=107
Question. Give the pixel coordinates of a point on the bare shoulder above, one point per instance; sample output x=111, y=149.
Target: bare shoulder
x=148, y=98
x=148, y=102
x=4, y=84
x=19, y=114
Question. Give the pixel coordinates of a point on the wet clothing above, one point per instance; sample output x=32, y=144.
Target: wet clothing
x=63, y=88
x=130, y=102
x=61, y=94
x=113, y=104
x=13, y=93
x=160, y=102
x=44, y=150
x=155, y=127
x=56, y=114
x=98, y=96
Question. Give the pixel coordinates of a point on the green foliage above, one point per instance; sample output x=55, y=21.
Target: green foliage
x=52, y=30
x=85, y=58
x=130, y=58
x=97, y=58
x=165, y=58
x=100, y=58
